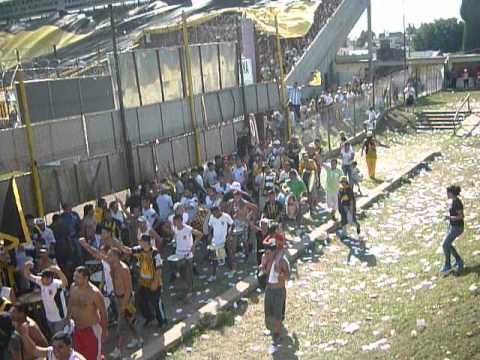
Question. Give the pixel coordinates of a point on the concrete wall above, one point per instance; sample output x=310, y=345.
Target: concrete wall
x=322, y=51
x=82, y=157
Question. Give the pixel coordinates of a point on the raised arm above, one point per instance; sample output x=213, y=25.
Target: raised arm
x=28, y=274
x=57, y=271
x=125, y=249
x=91, y=250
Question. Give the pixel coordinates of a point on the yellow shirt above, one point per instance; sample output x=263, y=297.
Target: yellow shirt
x=309, y=165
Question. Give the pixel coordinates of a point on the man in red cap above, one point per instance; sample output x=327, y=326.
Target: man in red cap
x=277, y=268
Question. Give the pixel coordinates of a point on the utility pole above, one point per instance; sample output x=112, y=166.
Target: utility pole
x=25, y=116
x=405, y=67
x=371, y=70
x=240, y=69
x=191, y=103
x=283, y=100
x=123, y=120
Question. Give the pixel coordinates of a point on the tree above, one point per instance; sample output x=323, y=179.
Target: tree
x=470, y=12
x=444, y=35
x=363, y=39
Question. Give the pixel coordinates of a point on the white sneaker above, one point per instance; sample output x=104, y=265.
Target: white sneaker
x=116, y=354
x=132, y=344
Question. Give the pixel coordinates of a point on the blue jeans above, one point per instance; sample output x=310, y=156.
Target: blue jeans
x=448, y=249
x=347, y=171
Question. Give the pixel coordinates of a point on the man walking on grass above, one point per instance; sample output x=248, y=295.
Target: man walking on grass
x=275, y=265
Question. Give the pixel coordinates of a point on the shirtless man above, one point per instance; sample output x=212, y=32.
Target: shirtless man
x=241, y=211
x=19, y=317
x=122, y=284
x=275, y=265
x=86, y=308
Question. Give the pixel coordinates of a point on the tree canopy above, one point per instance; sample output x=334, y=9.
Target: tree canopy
x=470, y=12
x=444, y=34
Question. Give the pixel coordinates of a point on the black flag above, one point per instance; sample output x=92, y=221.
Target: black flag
x=13, y=229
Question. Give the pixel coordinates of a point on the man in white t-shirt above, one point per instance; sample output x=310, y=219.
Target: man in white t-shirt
x=52, y=293
x=184, y=248
x=220, y=223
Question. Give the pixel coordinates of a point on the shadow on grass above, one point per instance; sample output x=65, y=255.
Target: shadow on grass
x=470, y=270
x=357, y=248
x=287, y=347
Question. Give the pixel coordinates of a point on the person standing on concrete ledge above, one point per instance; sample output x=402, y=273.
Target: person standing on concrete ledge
x=277, y=269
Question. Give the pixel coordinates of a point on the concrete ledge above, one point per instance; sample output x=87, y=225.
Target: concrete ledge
x=176, y=334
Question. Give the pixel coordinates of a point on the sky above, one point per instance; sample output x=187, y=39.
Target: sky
x=388, y=14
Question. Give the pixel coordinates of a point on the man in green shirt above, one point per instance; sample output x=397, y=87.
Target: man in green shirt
x=296, y=185
x=332, y=183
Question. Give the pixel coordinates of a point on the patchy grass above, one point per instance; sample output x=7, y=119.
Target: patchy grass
x=385, y=301
x=447, y=100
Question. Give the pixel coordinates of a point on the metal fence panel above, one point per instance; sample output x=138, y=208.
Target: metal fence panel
x=251, y=98
x=150, y=122
x=118, y=171
x=148, y=76
x=228, y=140
x=210, y=69
x=228, y=64
x=262, y=97
x=213, y=143
x=9, y=160
x=212, y=107
x=65, y=97
x=100, y=133
x=146, y=164
x=196, y=71
x=39, y=101
x=42, y=135
x=170, y=67
x=164, y=156
x=231, y=104
x=172, y=117
x=131, y=118
x=129, y=80
x=96, y=94
x=181, y=157
x=273, y=95
x=69, y=138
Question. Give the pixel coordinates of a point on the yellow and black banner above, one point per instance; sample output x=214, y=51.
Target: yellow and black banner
x=13, y=228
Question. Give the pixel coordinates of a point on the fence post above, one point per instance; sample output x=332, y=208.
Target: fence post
x=283, y=100
x=191, y=103
x=25, y=114
x=123, y=120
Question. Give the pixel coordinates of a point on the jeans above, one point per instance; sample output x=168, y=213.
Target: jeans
x=447, y=245
x=347, y=171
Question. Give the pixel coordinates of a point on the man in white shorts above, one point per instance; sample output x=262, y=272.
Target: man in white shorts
x=184, y=244
x=221, y=224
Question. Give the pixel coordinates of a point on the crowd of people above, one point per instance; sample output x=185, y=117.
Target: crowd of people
x=294, y=48
x=115, y=261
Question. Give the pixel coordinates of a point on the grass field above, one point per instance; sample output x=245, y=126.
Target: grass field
x=379, y=305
